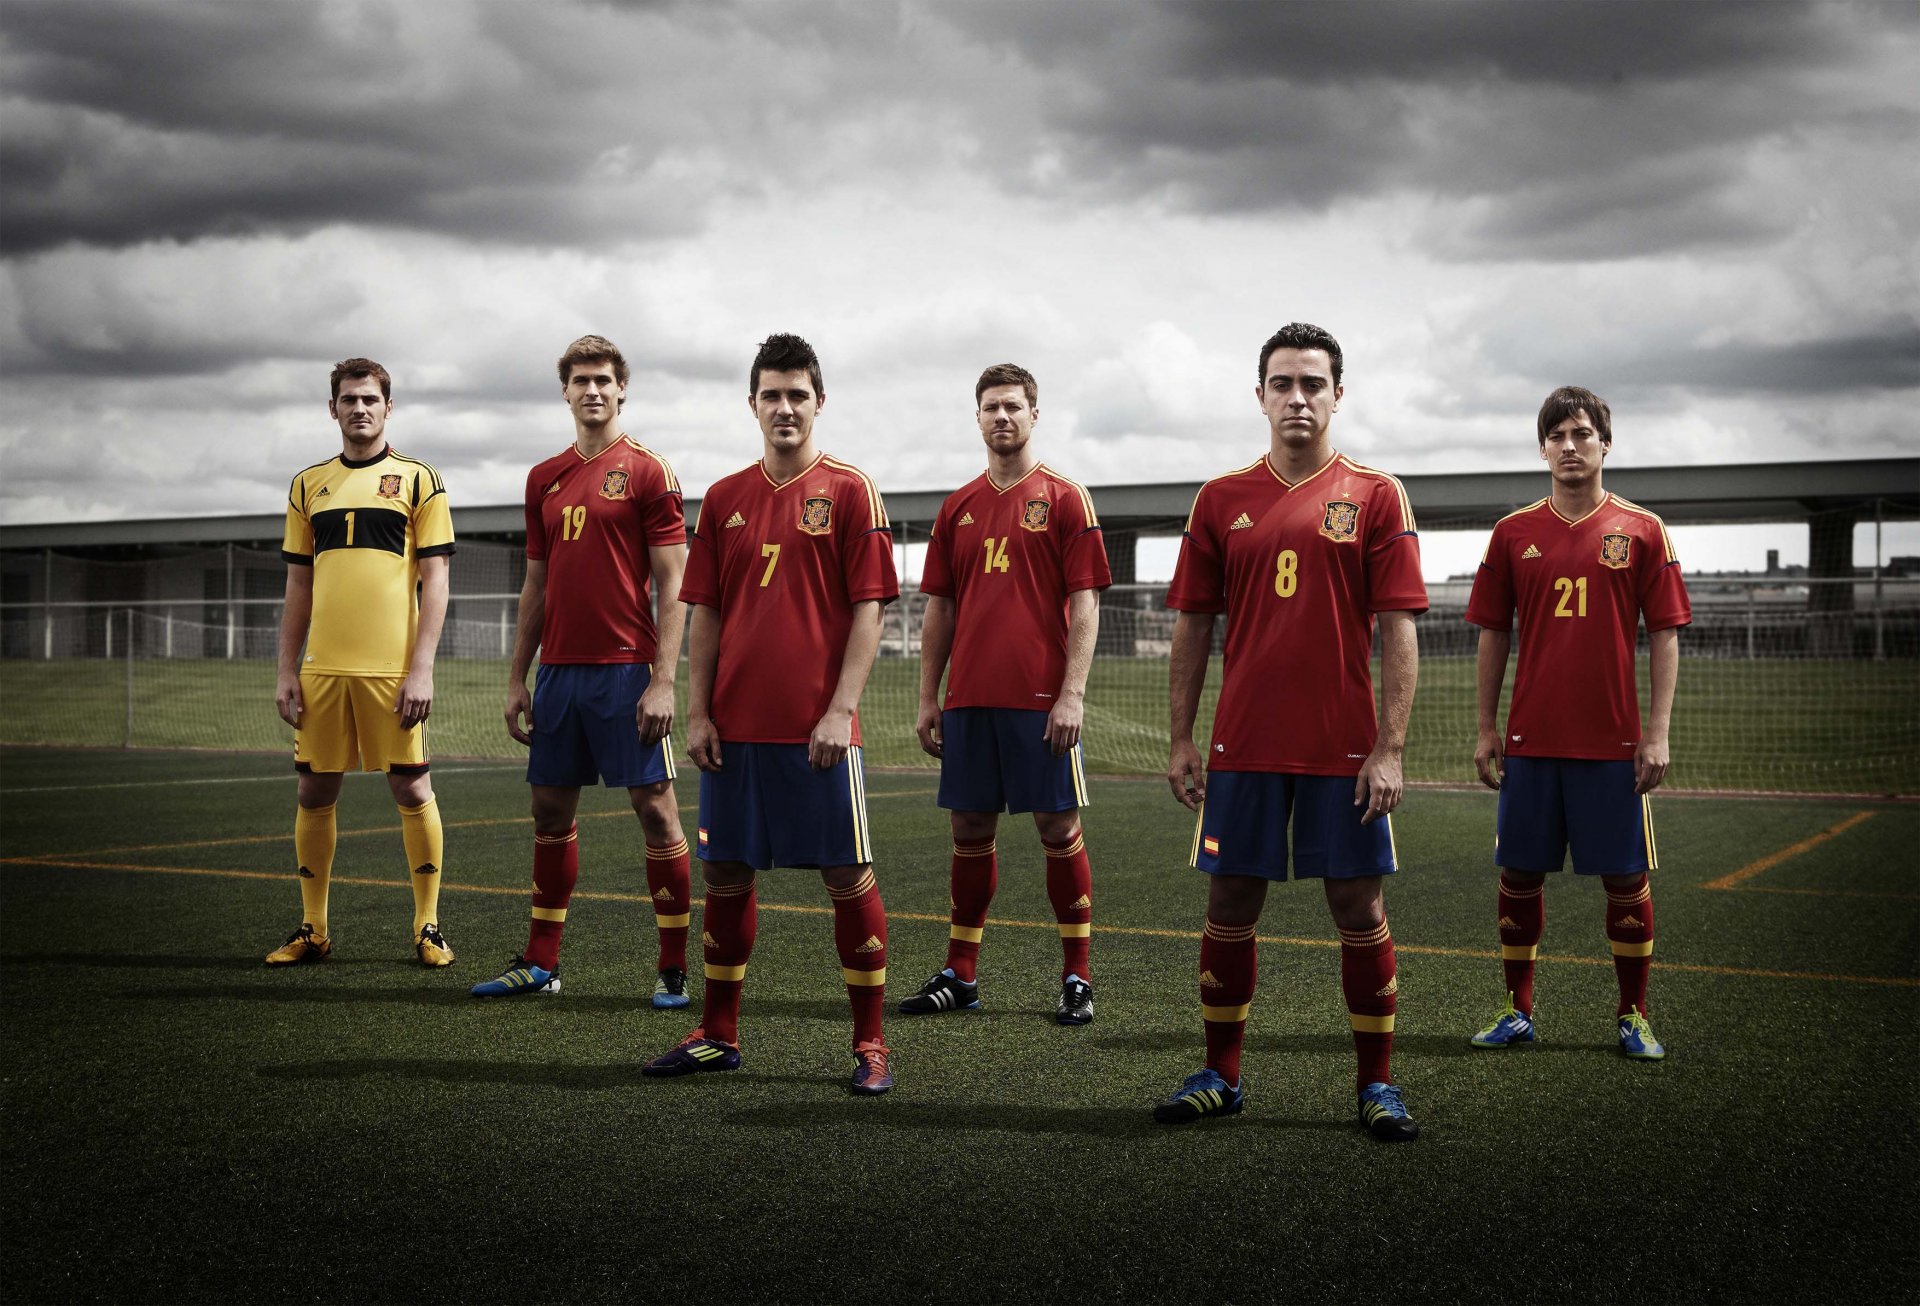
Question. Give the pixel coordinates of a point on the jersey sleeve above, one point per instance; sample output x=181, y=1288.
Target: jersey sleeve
x=536, y=527
x=936, y=575
x=700, y=582
x=666, y=520
x=1490, y=606
x=296, y=544
x=1083, y=561
x=867, y=548
x=432, y=515
x=1199, y=576
x=1663, y=592
x=1394, y=583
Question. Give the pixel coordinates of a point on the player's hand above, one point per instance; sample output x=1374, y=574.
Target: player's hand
x=703, y=743
x=1649, y=765
x=287, y=700
x=1186, y=776
x=1063, y=722
x=832, y=736
x=1489, y=761
x=927, y=726
x=519, y=706
x=653, y=714
x=1378, y=786
x=416, y=699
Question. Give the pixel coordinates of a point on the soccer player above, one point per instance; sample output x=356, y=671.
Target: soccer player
x=1014, y=572
x=604, y=531
x=1582, y=567
x=364, y=531
x=1304, y=550
x=790, y=570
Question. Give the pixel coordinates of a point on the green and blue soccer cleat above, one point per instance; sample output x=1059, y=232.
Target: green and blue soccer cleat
x=1512, y=1026
x=1385, y=1115
x=1636, y=1037
x=1203, y=1093
x=519, y=978
x=670, y=988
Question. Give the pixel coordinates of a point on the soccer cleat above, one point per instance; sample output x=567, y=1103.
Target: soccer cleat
x=301, y=945
x=520, y=976
x=942, y=993
x=1076, y=1002
x=1385, y=1115
x=670, y=988
x=1511, y=1026
x=432, y=946
x=1636, y=1037
x=696, y=1055
x=1203, y=1093
x=871, y=1073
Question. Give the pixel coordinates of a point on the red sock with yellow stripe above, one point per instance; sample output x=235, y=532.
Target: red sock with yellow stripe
x=1371, y=983
x=860, y=933
x=556, y=869
x=1523, y=919
x=1229, y=968
x=729, y=921
x=670, y=885
x=971, y=880
x=1630, y=931
x=1070, y=890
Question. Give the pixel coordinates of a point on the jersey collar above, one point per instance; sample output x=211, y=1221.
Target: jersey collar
x=357, y=463
x=1266, y=460
x=1605, y=499
x=1008, y=489
x=777, y=486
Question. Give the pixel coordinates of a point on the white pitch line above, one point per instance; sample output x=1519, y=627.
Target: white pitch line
x=230, y=780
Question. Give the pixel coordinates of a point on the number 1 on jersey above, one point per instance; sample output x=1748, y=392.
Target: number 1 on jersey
x=771, y=552
x=349, y=528
x=997, y=558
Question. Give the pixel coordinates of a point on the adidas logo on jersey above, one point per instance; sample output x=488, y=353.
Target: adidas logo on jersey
x=1509, y=923
x=324, y=492
x=1629, y=922
x=554, y=488
x=966, y=519
x=1083, y=903
x=1393, y=987
x=706, y=940
x=663, y=893
x=735, y=520
x=872, y=944
x=1241, y=523
x=1207, y=981
x=1533, y=551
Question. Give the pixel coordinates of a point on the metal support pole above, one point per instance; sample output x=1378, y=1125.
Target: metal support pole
x=127, y=739
x=230, y=613
x=46, y=599
x=1750, y=654
x=1879, y=605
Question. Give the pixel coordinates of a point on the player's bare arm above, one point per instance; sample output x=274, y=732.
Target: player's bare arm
x=415, y=703
x=653, y=715
x=703, y=661
x=1186, y=672
x=1650, y=758
x=295, y=613
x=936, y=645
x=526, y=642
x=1490, y=675
x=1380, y=783
x=833, y=735
x=1070, y=704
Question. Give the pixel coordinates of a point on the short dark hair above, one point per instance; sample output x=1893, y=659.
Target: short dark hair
x=595, y=349
x=784, y=352
x=357, y=368
x=1007, y=374
x=1301, y=335
x=1570, y=400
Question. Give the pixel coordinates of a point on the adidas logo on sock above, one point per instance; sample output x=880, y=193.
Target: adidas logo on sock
x=305, y=874
x=1533, y=551
x=1629, y=922
x=966, y=519
x=1083, y=903
x=426, y=868
x=663, y=894
x=1509, y=923
x=735, y=520
x=1393, y=987
x=1241, y=523
x=1207, y=981
x=872, y=944
x=706, y=940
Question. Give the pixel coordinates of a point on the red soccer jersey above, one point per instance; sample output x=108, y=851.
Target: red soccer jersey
x=1580, y=588
x=1008, y=558
x=1299, y=570
x=592, y=520
x=784, y=565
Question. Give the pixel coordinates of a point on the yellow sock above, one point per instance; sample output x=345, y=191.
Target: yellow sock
x=313, y=841
x=420, y=831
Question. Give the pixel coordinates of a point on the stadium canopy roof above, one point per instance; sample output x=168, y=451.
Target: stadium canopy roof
x=1699, y=495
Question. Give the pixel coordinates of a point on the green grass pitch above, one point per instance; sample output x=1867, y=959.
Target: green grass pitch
x=182, y=1124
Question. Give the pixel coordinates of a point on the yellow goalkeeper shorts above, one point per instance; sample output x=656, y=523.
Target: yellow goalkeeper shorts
x=348, y=723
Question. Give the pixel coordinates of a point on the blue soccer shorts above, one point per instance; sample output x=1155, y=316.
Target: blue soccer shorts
x=767, y=806
x=1242, y=828
x=1550, y=805
x=997, y=759
x=584, y=728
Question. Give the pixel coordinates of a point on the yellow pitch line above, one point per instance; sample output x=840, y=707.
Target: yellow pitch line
x=1772, y=860
x=1131, y=931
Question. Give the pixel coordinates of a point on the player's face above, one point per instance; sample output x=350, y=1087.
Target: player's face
x=1006, y=422
x=1299, y=396
x=1573, y=450
x=785, y=406
x=593, y=393
x=361, y=411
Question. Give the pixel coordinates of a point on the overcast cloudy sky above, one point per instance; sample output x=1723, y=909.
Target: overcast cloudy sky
x=1706, y=212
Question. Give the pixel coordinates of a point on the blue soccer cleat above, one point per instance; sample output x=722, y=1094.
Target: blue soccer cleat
x=873, y=1071
x=1385, y=1115
x=1512, y=1026
x=1636, y=1037
x=1203, y=1093
x=670, y=988
x=696, y=1055
x=520, y=977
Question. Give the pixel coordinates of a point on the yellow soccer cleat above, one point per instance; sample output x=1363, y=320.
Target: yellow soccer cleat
x=303, y=945
x=432, y=946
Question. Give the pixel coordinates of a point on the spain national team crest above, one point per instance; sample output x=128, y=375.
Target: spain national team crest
x=1341, y=522
x=1616, y=551
x=614, y=484
x=816, y=515
x=1035, y=517
x=390, y=486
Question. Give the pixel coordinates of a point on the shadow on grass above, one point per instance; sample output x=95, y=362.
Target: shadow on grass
x=130, y=961
x=1001, y=1117
x=1420, y=1045
x=544, y=1074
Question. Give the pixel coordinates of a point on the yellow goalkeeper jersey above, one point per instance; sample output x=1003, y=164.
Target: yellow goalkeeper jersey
x=363, y=527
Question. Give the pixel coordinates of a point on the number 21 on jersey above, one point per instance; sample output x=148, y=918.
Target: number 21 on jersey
x=1570, y=591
